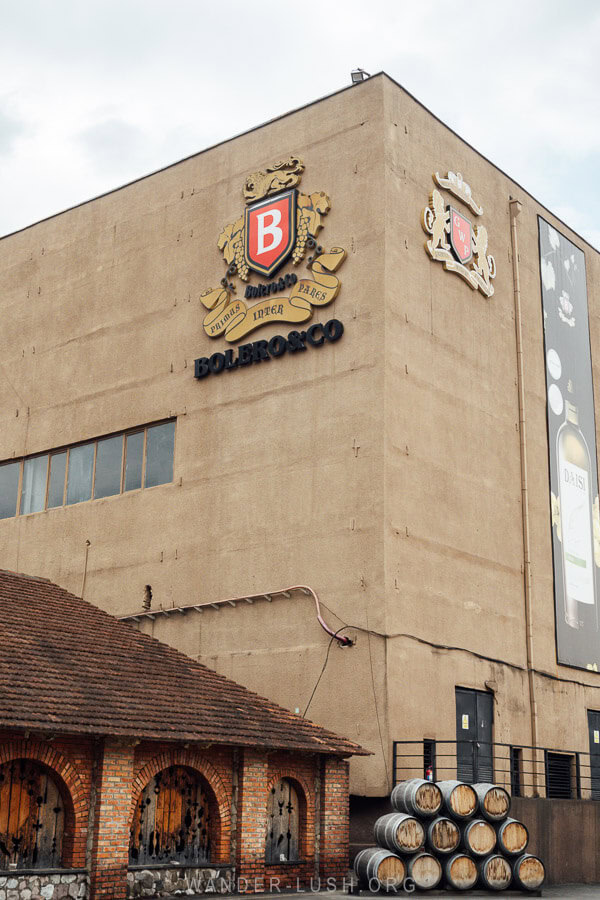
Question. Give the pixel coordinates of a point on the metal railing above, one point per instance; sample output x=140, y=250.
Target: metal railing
x=522, y=770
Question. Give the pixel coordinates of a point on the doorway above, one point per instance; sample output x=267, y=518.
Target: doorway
x=594, y=728
x=474, y=721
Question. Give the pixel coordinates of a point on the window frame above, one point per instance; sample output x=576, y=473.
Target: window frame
x=25, y=460
x=109, y=437
x=66, y=448
x=19, y=462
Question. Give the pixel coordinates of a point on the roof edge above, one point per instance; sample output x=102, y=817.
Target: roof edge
x=291, y=112
x=178, y=162
x=28, y=577
x=489, y=161
x=56, y=729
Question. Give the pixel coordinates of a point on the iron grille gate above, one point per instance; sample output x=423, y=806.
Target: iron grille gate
x=282, y=823
x=31, y=817
x=171, y=822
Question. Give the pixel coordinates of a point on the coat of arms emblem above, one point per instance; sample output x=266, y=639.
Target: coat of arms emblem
x=278, y=225
x=270, y=232
x=460, y=236
x=454, y=241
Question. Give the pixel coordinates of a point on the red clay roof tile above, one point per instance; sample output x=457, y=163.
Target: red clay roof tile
x=66, y=665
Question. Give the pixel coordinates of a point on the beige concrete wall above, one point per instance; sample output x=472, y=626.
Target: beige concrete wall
x=278, y=468
x=382, y=470
x=453, y=516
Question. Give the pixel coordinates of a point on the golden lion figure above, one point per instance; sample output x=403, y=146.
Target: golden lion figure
x=436, y=222
x=484, y=266
x=277, y=177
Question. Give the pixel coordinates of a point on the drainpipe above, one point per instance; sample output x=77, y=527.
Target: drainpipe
x=515, y=209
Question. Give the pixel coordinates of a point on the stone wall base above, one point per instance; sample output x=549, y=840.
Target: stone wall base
x=44, y=887
x=162, y=882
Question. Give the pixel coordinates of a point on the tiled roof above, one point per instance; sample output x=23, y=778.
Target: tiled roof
x=67, y=666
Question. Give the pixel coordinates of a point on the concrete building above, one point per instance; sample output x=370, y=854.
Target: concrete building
x=401, y=470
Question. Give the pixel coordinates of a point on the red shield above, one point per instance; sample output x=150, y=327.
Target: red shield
x=270, y=232
x=460, y=236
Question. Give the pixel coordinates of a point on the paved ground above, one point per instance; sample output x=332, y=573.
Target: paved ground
x=556, y=892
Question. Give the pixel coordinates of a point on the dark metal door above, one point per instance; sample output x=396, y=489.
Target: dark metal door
x=594, y=727
x=474, y=719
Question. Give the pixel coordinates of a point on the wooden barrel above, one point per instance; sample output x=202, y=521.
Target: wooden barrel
x=417, y=797
x=478, y=837
x=399, y=833
x=459, y=799
x=494, y=801
x=529, y=872
x=460, y=871
x=374, y=867
x=425, y=870
x=443, y=835
x=513, y=837
x=495, y=873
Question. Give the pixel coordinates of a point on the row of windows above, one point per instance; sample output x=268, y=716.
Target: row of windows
x=100, y=468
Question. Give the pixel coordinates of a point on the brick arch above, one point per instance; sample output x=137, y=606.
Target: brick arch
x=72, y=789
x=284, y=772
x=307, y=829
x=221, y=800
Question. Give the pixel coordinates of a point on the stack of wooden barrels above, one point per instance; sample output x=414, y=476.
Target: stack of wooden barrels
x=450, y=833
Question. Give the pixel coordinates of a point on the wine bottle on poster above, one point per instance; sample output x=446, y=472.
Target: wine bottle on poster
x=575, y=492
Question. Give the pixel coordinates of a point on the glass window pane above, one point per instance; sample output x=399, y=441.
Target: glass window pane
x=159, y=454
x=9, y=485
x=133, y=465
x=56, y=488
x=109, y=457
x=33, y=489
x=81, y=464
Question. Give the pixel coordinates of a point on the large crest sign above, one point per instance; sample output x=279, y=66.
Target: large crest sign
x=270, y=232
x=278, y=226
x=454, y=241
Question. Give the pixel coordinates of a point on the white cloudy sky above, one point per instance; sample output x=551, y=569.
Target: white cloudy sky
x=94, y=93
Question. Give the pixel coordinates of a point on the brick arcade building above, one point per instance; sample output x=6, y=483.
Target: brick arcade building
x=126, y=768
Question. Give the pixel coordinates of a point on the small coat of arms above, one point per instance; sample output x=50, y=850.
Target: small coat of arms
x=278, y=225
x=454, y=241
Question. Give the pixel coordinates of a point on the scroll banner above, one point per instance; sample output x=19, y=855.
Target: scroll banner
x=234, y=319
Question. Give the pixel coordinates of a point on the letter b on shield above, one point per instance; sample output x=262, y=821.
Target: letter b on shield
x=270, y=232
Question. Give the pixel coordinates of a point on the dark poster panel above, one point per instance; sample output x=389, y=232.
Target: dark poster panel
x=572, y=449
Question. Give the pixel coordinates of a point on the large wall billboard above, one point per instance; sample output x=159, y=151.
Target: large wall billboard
x=572, y=449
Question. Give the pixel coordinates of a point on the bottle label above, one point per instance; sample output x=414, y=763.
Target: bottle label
x=576, y=525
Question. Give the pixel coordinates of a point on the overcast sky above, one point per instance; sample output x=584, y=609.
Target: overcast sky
x=94, y=93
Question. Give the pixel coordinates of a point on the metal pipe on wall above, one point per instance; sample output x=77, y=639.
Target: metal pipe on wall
x=515, y=209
